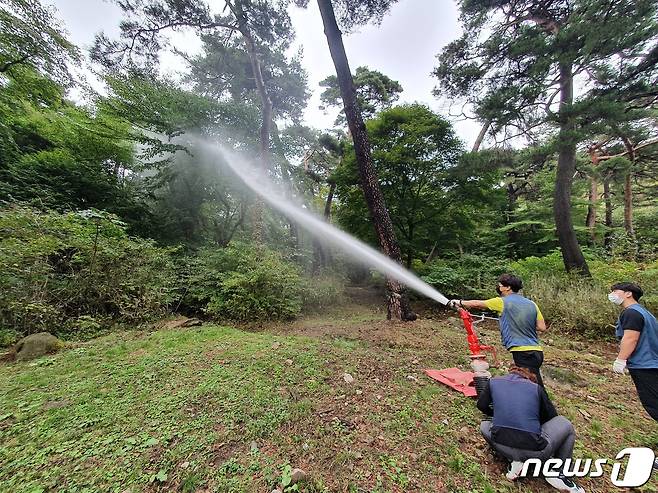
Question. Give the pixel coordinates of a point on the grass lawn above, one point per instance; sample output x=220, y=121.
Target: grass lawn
x=221, y=409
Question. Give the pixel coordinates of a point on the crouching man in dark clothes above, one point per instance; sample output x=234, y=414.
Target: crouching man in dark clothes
x=525, y=424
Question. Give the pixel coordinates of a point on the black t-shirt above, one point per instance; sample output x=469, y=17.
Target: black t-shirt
x=631, y=319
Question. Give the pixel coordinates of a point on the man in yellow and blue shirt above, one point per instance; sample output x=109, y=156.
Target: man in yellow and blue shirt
x=520, y=319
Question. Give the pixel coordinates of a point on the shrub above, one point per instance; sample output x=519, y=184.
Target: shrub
x=467, y=276
x=573, y=304
x=548, y=265
x=605, y=272
x=581, y=305
x=568, y=303
x=244, y=282
x=74, y=273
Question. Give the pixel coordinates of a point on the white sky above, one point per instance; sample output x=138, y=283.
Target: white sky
x=403, y=47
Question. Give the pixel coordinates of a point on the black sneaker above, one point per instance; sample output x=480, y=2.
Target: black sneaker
x=563, y=483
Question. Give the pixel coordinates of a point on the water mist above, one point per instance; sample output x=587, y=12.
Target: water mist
x=315, y=225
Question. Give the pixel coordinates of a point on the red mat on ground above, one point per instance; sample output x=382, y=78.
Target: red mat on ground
x=461, y=381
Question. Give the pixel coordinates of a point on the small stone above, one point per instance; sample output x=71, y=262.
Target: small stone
x=253, y=446
x=185, y=465
x=306, y=446
x=445, y=422
x=289, y=361
x=276, y=345
x=298, y=475
x=415, y=362
x=379, y=397
x=359, y=392
x=380, y=437
x=348, y=378
x=411, y=378
x=377, y=380
x=277, y=491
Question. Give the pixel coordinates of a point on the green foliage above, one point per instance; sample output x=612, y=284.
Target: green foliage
x=572, y=304
x=415, y=153
x=374, y=92
x=30, y=36
x=74, y=274
x=61, y=156
x=467, y=276
x=581, y=305
x=244, y=282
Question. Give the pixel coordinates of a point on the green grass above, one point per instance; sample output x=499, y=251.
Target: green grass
x=127, y=409
x=216, y=409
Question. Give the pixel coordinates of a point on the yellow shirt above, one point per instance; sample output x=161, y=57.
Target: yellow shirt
x=497, y=305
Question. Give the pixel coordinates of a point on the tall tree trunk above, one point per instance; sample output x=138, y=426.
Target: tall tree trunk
x=480, y=137
x=266, y=114
x=628, y=204
x=512, y=234
x=590, y=220
x=607, y=238
x=398, y=303
x=322, y=254
x=566, y=165
x=410, y=250
x=285, y=176
x=628, y=190
x=330, y=198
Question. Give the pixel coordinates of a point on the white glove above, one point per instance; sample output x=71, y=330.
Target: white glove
x=619, y=366
x=454, y=304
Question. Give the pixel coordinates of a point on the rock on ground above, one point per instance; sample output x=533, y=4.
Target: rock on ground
x=297, y=476
x=37, y=345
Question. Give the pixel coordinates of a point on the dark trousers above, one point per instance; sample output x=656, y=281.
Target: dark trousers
x=531, y=360
x=646, y=383
x=558, y=433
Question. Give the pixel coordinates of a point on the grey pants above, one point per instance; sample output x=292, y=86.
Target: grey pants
x=558, y=433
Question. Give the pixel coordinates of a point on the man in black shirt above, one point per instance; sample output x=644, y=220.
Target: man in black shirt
x=525, y=424
x=637, y=332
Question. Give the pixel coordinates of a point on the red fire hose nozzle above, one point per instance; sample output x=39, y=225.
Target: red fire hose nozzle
x=477, y=350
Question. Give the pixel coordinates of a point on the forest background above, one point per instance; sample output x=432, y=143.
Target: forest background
x=109, y=218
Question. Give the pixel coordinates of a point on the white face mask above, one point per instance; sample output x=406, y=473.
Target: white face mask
x=613, y=298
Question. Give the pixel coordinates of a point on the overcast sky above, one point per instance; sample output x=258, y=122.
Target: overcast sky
x=403, y=47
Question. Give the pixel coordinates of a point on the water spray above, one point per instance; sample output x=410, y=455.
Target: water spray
x=315, y=225
x=356, y=249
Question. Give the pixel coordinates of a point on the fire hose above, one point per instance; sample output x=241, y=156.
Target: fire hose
x=479, y=362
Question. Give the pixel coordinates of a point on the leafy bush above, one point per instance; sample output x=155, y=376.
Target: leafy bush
x=548, y=265
x=568, y=303
x=605, y=272
x=573, y=304
x=74, y=274
x=467, y=276
x=244, y=282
